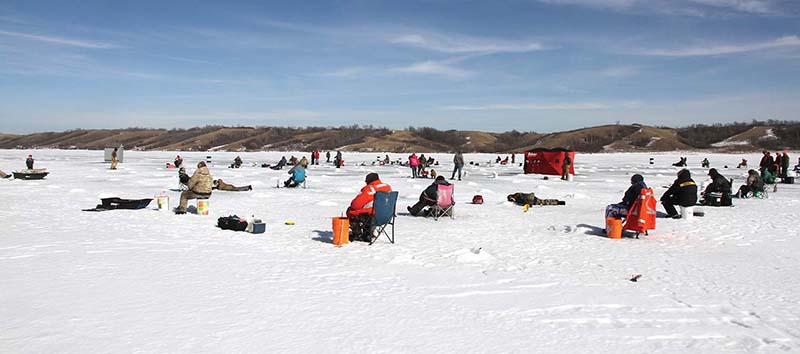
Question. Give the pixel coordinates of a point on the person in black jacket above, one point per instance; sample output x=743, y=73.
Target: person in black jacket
x=683, y=192
x=183, y=179
x=29, y=162
x=620, y=209
x=428, y=197
x=718, y=193
x=766, y=162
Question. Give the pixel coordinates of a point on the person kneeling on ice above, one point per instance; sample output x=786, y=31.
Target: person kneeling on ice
x=620, y=210
x=221, y=185
x=428, y=197
x=529, y=199
x=360, y=210
x=718, y=193
x=200, y=185
x=298, y=173
x=752, y=187
x=683, y=192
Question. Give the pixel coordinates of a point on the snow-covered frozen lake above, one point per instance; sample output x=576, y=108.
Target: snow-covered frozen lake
x=493, y=280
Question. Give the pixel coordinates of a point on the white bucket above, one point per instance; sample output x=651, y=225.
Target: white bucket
x=163, y=202
x=687, y=213
x=570, y=177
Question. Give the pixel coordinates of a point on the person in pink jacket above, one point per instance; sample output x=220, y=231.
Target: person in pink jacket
x=413, y=161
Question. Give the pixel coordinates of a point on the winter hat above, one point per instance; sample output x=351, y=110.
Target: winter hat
x=201, y=164
x=440, y=178
x=684, y=173
x=371, y=177
x=713, y=172
x=30, y=155
x=637, y=178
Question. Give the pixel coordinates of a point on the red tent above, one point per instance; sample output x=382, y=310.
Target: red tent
x=547, y=161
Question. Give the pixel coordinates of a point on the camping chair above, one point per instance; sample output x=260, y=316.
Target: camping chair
x=444, y=202
x=642, y=215
x=384, y=210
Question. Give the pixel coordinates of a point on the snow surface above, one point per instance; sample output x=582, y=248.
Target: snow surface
x=493, y=280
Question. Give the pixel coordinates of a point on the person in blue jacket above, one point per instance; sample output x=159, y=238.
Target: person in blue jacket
x=298, y=176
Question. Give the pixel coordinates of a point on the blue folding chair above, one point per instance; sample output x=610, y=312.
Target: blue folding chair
x=384, y=211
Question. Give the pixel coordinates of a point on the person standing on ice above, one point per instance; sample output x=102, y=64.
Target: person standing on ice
x=620, y=210
x=458, y=161
x=785, y=161
x=360, y=210
x=178, y=161
x=114, y=160
x=766, y=162
x=566, y=166
x=29, y=162
x=328, y=157
x=683, y=192
x=200, y=185
x=413, y=161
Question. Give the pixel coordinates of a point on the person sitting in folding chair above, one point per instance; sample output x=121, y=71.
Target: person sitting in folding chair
x=620, y=210
x=298, y=176
x=753, y=187
x=360, y=210
x=183, y=179
x=428, y=197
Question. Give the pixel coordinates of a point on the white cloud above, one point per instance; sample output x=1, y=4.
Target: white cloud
x=464, y=44
x=619, y=71
x=681, y=7
x=571, y=106
x=435, y=68
x=749, y=6
x=710, y=50
x=349, y=72
x=81, y=43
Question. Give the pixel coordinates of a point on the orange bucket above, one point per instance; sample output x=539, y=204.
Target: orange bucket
x=614, y=227
x=341, y=231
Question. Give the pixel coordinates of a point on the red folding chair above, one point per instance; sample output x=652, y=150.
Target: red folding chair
x=642, y=215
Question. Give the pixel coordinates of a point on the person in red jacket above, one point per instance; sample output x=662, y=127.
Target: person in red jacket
x=360, y=210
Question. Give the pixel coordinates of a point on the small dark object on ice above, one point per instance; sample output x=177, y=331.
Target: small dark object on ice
x=636, y=278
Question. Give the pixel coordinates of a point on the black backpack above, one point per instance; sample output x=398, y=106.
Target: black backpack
x=232, y=222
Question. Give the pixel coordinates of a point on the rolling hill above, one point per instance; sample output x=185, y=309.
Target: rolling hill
x=605, y=138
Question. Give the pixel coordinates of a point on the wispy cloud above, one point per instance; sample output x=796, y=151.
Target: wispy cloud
x=683, y=7
x=573, y=106
x=619, y=71
x=434, y=68
x=81, y=43
x=456, y=44
x=349, y=72
x=711, y=50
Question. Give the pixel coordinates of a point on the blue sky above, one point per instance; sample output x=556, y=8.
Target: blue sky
x=541, y=65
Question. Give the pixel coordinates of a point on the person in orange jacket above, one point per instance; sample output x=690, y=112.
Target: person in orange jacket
x=360, y=210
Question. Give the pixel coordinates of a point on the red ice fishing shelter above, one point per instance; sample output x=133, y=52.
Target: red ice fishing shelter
x=548, y=161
